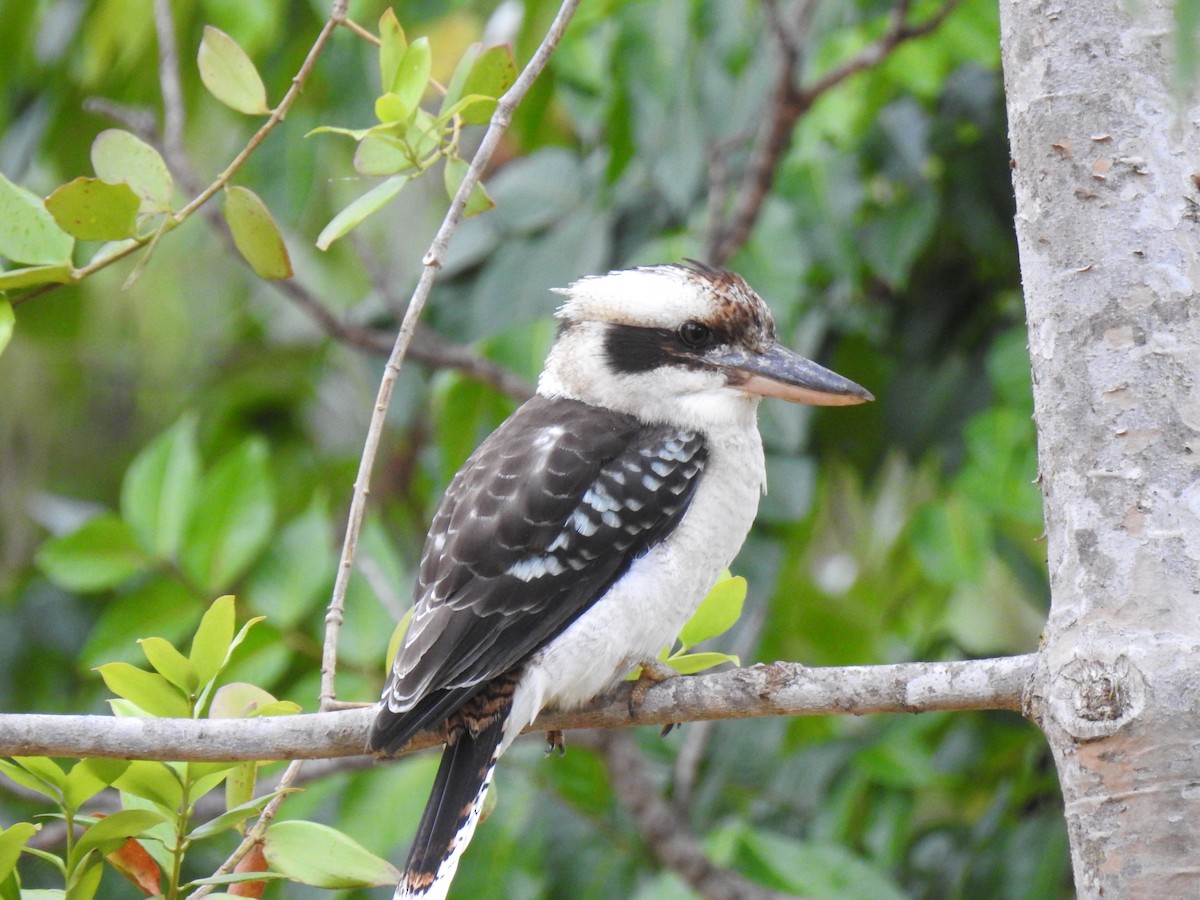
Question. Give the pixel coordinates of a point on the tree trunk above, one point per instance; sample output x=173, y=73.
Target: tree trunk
x=1105, y=160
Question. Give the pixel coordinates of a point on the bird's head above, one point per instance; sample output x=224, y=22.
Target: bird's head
x=685, y=344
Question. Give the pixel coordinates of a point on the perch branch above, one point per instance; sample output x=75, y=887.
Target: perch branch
x=775, y=689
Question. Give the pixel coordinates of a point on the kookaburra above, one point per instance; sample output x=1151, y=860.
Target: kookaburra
x=581, y=536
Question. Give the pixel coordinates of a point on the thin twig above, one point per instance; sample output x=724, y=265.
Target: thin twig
x=169, y=82
x=257, y=832
x=790, y=101
x=179, y=217
x=431, y=264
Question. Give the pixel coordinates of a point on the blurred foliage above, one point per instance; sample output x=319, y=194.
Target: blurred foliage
x=195, y=434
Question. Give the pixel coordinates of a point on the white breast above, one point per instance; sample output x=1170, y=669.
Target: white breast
x=646, y=608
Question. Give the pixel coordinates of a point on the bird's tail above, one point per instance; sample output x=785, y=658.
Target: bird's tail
x=459, y=790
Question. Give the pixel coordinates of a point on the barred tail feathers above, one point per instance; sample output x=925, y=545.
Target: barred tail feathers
x=458, y=794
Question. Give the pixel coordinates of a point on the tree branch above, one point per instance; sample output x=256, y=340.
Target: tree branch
x=662, y=827
x=431, y=264
x=775, y=689
x=790, y=101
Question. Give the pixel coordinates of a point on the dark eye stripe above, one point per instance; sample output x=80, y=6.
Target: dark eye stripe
x=630, y=349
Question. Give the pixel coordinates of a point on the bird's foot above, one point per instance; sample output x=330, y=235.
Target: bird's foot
x=556, y=742
x=654, y=671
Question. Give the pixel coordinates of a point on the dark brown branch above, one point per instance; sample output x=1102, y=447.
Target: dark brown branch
x=662, y=826
x=789, y=101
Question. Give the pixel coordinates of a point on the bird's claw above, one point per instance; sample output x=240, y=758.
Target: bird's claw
x=556, y=742
x=653, y=672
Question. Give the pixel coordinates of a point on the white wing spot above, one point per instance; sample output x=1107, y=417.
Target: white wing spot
x=535, y=567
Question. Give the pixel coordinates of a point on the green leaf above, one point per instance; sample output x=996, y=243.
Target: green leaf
x=45, y=770
x=691, y=663
x=950, y=539
x=7, y=322
x=717, y=613
x=100, y=555
x=354, y=214
x=229, y=74
x=296, y=571
x=231, y=818
x=84, y=879
x=453, y=174
x=492, y=73
x=153, y=781
x=171, y=664
x=148, y=690
x=412, y=75
x=382, y=154
x=255, y=234
x=28, y=233
x=240, y=700
x=32, y=276
x=112, y=831
x=232, y=518
x=454, y=88
x=120, y=157
x=211, y=645
x=94, y=210
x=321, y=856
x=204, y=776
x=392, y=45
x=89, y=777
x=12, y=841
x=390, y=108
x=159, y=489
x=27, y=779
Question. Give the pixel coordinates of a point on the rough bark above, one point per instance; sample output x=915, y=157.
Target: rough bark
x=1105, y=160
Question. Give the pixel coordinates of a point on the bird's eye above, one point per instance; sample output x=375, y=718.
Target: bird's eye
x=695, y=334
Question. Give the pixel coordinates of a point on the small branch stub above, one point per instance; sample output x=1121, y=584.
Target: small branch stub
x=1092, y=699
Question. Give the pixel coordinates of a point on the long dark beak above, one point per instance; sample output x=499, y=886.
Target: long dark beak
x=778, y=372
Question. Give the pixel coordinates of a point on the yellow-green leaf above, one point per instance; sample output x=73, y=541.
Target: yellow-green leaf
x=479, y=201
x=390, y=108
x=89, y=777
x=229, y=74
x=93, y=210
x=717, y=613
x=392, y=45
x=100, y=555
x=491, y=74
x=35, y=275
x=353, y=215
x=28, y=233
x=170, y=664
x=149, y=691
x=412, y=76
x=256, y=235
x=691, y=663
x=7, y=322
x=118, y=156
x=382, y=154
x=12, y=840
x=324, y=857
x=213, y=637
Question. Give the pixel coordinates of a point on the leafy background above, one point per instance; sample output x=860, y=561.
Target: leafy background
x=900, y=531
